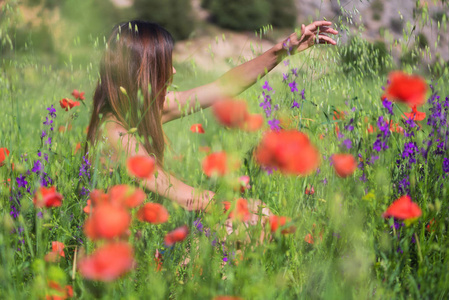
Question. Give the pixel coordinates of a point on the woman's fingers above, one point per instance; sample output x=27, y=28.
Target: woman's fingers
x=326, y=30
x=324, y=39
x=313, y=26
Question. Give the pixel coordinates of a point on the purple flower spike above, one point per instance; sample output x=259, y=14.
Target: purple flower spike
x=293, y=87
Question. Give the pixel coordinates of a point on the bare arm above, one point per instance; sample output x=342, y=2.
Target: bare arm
x=242, y=77
x=124, y=145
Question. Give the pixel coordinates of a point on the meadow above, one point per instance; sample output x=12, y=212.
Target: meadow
x=337, y=242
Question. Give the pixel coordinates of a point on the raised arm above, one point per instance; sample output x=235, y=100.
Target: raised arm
x=243, y=76
x=124, y=145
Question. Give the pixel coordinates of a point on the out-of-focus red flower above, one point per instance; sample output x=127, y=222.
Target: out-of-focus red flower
x=240, y=212
x=230, y=112
x=244, y=183
x=47, y=197
x=410, y=89
x=57, y=250
x=78, y=95
x=309, y=238
x=198, y=128
x=403, y=209
x=430, y=227
x=107, y=221
x=344, y=164
x=289, y=151
x=128, y=196
x=217, y=164
x=394, y=127
x=3, y=153
x=57, y=292
x=159, y=260
x=88, y=208
x=68, y=104
x=339, y=115
x=415, y=115
x=371, y=129
x=108, y=262
x=310, y=191
x=253, y=122
x=141, y=166
x=98, y=197
x=77, y=147
x=154, y=213
x=177, y=235
x=278, y=221
x=63, y=128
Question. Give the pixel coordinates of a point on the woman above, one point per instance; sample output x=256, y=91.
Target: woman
x=132, y=93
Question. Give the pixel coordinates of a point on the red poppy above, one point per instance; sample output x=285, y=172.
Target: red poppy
x=78, y=95
x=244, y=183
x=126, y=195
x=344, y=164
x=88, y=208
x=394, y=127
x=240, y=212
x=177, y=235
x=309, y=238
x=410, y=89
x=108, y=262
x=107, y=221
x=415, y=115
x=57, y=250
x=310, y=191
x=141, y=166
x=68, y=104
x=371, y=129
x=252, y=122
x=277, y=221
x=47, y=197
x=154, y=213
x=339, y=115
x=403, y=208
x=198, y=128
x=77, y=147
x=215, y=164
x=57, y=292
x=98, y=197
x=289, y=151
x=430, y=227
x=230, y=112
x=3, y=153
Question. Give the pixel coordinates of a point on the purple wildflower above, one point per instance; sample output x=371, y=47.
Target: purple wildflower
x=21, y=182
x=274, y=124
x=293, y=87
x=295, y=104
x=347, y=143
x=388, y=105
x=446, y=165
x=267, y=87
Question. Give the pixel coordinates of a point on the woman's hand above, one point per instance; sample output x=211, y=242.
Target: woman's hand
x=314, y=33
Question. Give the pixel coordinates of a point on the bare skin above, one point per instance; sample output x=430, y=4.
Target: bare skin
x=230, y=84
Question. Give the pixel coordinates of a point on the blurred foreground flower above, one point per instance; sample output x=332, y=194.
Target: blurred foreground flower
x=234, y=114
x=126, y=195
x=57, y=250
x=57, y=292
x=3, y=153
x=177, y=235
x=344, y=164
x=289, y=151
x=219, y=164
x=403, y=209
x=141, y=166
x=240, y=212
x=107, y=221
x=47, y=197
x=409, y=89
x=108, y=262
x=278, y=221
x=153, y=213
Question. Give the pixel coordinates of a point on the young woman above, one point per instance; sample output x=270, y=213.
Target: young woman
x=132, y=93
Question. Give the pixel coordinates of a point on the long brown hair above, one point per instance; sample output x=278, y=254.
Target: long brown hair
x=138, y=58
